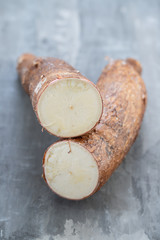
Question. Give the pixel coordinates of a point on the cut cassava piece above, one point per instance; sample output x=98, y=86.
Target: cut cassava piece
x=66, y=103
x=70, y=170
x=77, y=168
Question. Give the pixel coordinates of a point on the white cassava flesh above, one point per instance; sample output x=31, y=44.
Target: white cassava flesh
x=70, y=170
x=69, y=107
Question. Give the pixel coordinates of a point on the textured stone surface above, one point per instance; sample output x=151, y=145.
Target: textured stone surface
x=82, y=33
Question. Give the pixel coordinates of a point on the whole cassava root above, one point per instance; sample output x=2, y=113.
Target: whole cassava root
x=77, y=168
x=66, y=103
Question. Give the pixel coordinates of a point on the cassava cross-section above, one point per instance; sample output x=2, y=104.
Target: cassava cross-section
x=66, y=103
x=77, y=168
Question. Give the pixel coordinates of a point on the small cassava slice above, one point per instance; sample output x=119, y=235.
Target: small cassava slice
x=66, y=103
x=77, y=168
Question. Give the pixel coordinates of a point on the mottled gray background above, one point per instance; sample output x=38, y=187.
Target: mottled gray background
x=81, y=32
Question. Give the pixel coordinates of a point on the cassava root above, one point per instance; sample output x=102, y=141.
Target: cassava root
x=77, y=168
x=66, y=103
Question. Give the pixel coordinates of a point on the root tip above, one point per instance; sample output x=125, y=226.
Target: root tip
x=135, y=64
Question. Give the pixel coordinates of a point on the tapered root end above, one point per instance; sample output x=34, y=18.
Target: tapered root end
x=70, y=170
x=69, y=107
x=26, y=57
x=23, y=66
x=135, y=64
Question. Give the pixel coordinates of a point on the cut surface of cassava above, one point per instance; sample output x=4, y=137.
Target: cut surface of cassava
x=66, y=103
x=70, y=170
x=69, y=107
x=124, y=100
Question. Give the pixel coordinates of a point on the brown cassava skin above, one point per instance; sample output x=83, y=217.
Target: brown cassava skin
x=37, y=73
x=124, y=100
